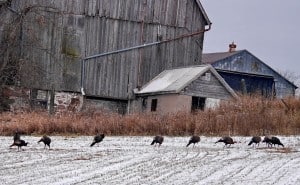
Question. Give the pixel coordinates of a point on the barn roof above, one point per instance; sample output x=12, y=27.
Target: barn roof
x=211, y=58
x=174, y=80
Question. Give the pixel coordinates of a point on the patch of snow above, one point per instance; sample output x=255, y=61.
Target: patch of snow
x=132, y=160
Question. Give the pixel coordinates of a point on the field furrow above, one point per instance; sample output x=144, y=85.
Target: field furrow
x=132, y=160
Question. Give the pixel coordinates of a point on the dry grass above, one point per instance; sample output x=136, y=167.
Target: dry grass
x=247, y=116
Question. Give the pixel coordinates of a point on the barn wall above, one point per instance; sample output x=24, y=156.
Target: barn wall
x=16, y=98
x=170, y=103
x=248, y=63
x=255, y=84
x=6, y=20
x=20, y=99
x=104, y=105
x=207, y=86
x=117, y=75
x=58, y=34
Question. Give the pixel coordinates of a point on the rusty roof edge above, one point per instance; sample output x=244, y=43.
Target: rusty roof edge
x=222, y=58
x=233, y=53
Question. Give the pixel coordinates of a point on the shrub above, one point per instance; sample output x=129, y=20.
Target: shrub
x=246, y=116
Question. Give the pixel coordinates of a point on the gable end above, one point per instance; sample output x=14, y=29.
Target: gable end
x=207, y=85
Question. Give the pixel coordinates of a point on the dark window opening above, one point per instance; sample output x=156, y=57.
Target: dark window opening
x=144, y=103
x=153, y=105
x=198, y=103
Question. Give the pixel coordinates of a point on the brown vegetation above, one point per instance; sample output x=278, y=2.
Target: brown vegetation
x=247, y=116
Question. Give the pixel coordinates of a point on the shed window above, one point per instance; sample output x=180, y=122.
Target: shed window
x=153, y=105
x=144, y=102
x=206, y=77
x=198, y=103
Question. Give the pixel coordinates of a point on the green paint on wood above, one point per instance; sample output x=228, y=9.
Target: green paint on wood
x=69, y=46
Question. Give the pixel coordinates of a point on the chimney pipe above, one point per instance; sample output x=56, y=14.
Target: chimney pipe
x=232, y=47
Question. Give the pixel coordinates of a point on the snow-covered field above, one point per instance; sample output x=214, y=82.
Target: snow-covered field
x=131, y=160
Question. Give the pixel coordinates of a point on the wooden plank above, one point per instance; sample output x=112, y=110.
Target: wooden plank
x=212, y=88
x=170, y=49
x=163, y=12
x=189, y=15
x=100, y=8
x=121, y=11
x=111, y=76
x=157, y=11
x=181, y=12
x=102, y=32
x=149, y=15
x=173, y=13
x=106, y=8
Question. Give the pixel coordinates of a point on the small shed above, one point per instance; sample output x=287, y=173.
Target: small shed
x=235, y=66
x=183, y=90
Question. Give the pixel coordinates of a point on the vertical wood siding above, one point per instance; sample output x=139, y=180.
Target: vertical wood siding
x=211, y=88
x=75, y=29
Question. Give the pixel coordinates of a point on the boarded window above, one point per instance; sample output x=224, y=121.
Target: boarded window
x=153, y=105
x=198, y=103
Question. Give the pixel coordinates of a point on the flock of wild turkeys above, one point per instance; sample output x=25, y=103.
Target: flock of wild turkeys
x=269, y=140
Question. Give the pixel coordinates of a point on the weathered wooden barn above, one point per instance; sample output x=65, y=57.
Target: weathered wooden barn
x=185, y=89
x=238, y=67
x=101, y=48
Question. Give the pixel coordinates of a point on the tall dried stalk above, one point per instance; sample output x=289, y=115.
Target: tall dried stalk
x=248, y=116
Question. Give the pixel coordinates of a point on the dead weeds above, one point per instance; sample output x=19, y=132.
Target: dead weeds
x=246, y=116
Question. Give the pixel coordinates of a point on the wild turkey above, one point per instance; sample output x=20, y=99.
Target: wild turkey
x=19, y=143
x=256, y=140
x=267, y=140
x=97, y=139
x=194, y=140
x=46, y=140
x=157, y=139
x=276, y=141
x=227, y=140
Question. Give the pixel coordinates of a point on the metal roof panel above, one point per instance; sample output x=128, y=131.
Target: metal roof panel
x=173, y=80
